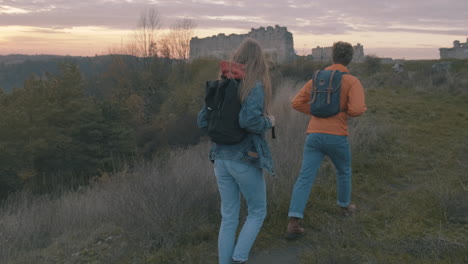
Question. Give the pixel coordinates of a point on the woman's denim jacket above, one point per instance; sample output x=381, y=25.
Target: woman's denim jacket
x=251, y=118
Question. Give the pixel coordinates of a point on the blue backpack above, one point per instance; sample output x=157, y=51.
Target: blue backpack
x=325, y=94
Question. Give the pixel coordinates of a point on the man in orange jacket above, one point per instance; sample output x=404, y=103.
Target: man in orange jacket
x=327, y=136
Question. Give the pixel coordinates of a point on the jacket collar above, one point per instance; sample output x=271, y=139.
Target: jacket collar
x=339, y=67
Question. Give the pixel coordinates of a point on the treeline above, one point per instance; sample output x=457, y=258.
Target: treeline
x=62, y=130
x=91, y=116
x=14, y=72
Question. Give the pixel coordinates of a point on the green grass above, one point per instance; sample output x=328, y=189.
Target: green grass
x=410, y=188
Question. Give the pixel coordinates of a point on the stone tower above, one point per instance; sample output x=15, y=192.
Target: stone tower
x=277, y=42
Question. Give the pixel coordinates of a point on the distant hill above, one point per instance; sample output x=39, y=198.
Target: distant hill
x=20, y=58
x=15, y=69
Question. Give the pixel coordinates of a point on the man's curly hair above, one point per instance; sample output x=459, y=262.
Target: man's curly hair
x=342, y=53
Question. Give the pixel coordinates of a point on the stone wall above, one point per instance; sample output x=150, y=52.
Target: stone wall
x=458, y=51
x=322, y=54
x=277, y=42
x=325, y=53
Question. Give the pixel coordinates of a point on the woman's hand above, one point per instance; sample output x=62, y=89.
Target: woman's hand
x=272, y=119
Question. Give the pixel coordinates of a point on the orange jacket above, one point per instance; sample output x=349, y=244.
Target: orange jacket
x=352, y=103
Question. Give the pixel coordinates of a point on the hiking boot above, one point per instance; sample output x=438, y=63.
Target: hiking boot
x=295, y=230
x=349, y=210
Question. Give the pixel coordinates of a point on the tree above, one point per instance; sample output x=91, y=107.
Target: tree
x=52, y=133
x=176, y=44
x=373, y=64
x=147, y=32
x=130, y=49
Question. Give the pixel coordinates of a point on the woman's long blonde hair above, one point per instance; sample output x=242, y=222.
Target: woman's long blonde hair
x=251, y=55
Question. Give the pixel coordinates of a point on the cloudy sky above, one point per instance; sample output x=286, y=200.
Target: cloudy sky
x=411, y=29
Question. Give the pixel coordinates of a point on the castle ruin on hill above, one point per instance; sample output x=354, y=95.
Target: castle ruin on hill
x=277, y=42
x=324, y=54
x=458, y=51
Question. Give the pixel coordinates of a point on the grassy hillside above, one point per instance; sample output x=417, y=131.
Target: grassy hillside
x=410, y=182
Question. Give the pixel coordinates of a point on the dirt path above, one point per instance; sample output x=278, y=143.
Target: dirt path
x=284, y=255
x=287, y=256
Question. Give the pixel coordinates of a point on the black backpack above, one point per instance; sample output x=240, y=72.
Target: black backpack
x=223, y=107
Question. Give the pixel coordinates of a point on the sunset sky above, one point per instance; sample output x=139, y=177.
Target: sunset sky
x=411, y=29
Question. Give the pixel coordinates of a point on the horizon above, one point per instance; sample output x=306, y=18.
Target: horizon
x=394, y=29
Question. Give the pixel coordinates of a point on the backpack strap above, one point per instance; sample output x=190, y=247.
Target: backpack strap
x=330, y=86
x=314, y=87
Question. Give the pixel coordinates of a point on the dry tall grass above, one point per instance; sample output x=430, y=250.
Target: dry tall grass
x=154, y=204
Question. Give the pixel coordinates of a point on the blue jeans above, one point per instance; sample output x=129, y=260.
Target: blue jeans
x=234, y=178
x=316, y=147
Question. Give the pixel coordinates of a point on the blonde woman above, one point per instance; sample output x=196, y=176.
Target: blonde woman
x=238, y=167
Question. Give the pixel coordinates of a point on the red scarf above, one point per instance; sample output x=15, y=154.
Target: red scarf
x=232, y=70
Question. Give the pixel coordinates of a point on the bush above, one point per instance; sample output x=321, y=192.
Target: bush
x=373, y=64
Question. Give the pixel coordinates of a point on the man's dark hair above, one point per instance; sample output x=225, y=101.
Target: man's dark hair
x=342, y=53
